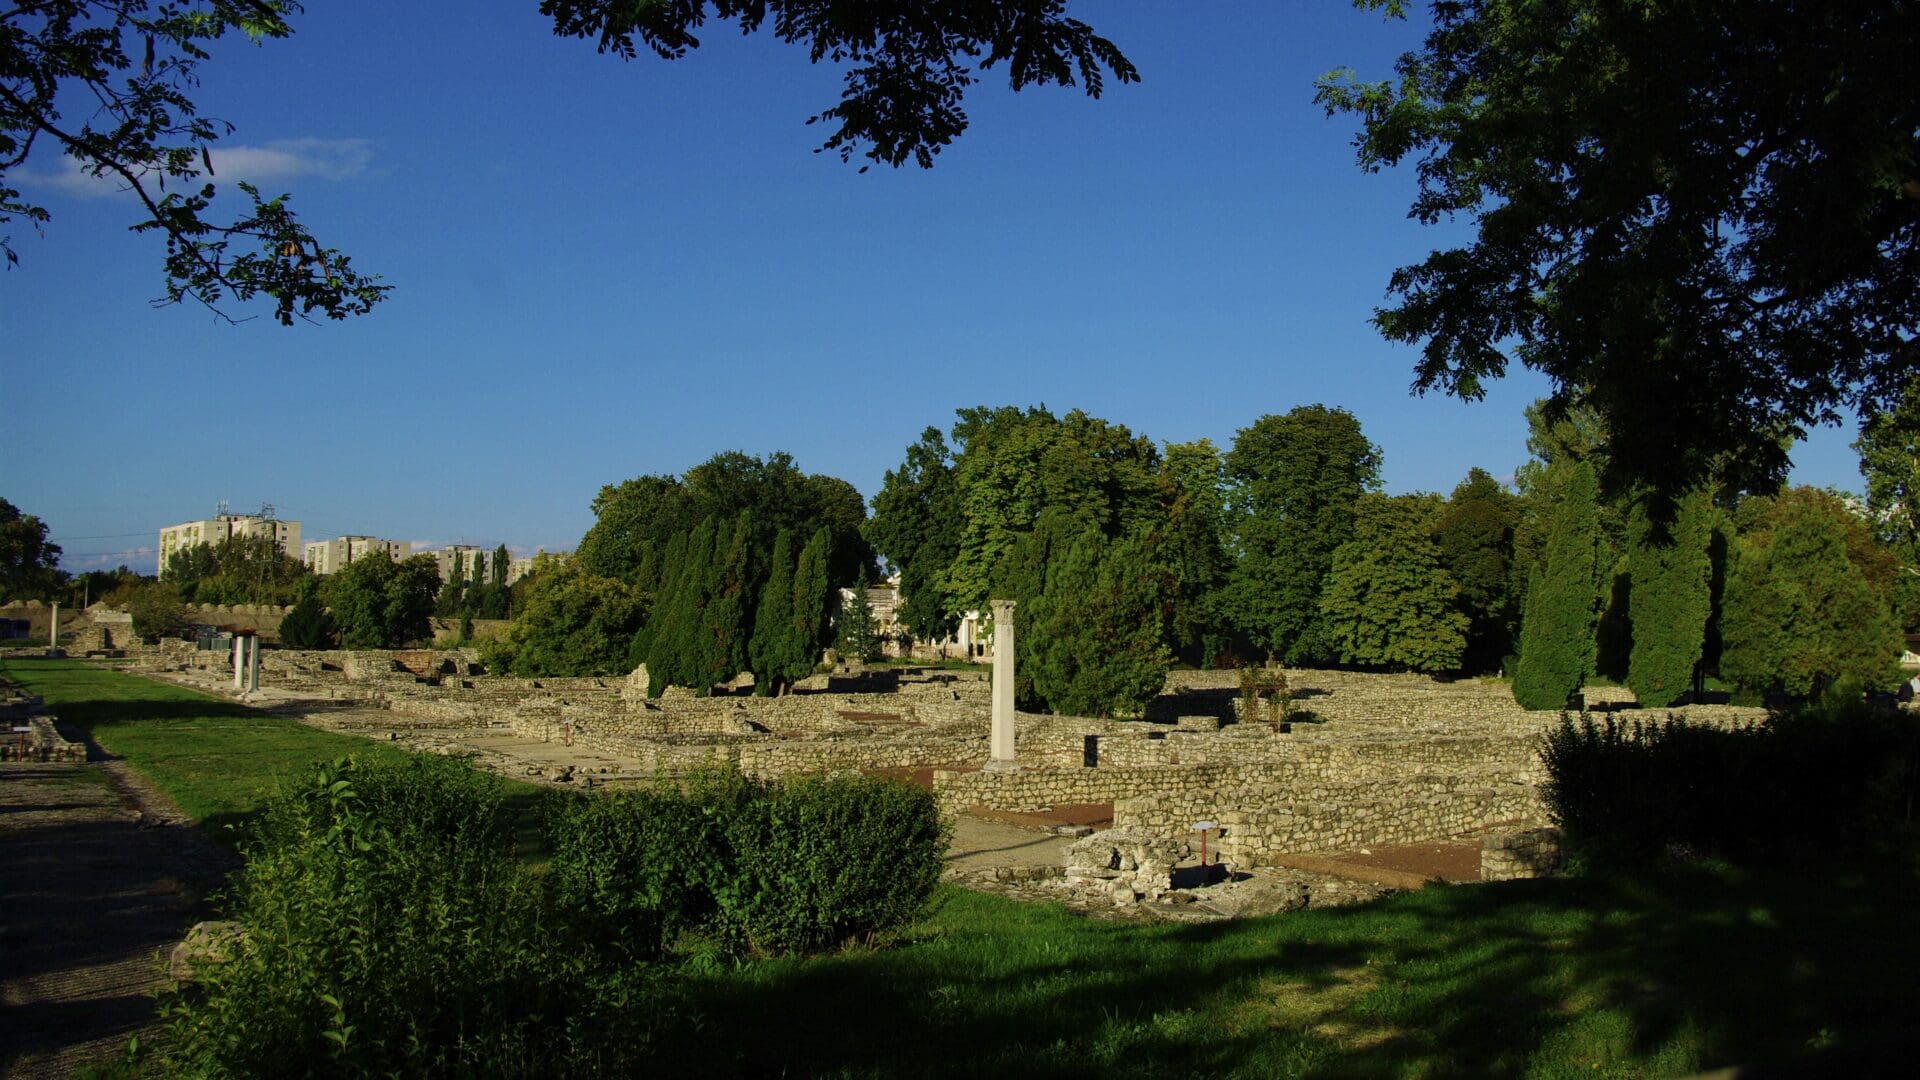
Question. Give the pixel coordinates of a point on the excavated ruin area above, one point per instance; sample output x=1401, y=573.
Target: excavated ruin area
x=1371, y=781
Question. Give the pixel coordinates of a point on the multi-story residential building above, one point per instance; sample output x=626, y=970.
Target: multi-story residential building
x=286, y=534
x=467, y=560
x=522, y=565
x=331, y=556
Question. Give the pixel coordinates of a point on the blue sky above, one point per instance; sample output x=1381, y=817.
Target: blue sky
x=603, y=269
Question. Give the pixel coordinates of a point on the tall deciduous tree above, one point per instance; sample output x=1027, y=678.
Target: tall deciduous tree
x=1556, y=632
x=1389, y=600
x=916, y=525
x=1294, y=480
x=575, y=622
x=908, y=65
x=1671, y=600
x=1889, y=448
x=382, y=604
x=29, y=565
x=1696, y=215
x=1192, y=545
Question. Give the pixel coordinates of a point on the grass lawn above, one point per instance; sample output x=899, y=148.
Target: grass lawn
x=218, y=759
x=1664, y=975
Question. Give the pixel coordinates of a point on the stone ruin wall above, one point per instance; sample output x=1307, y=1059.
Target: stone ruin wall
x=1263, y=820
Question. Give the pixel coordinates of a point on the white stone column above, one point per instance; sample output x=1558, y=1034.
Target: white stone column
x=1002, y=738
x=239, y=662
x=253, y=662
x=53, y=635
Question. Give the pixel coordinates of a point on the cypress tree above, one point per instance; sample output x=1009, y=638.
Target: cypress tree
x=693, y=648
x=724, y=644
x=1556, y=633
x=1670, y=601
x=809, y=623
x=773, y=620
x=854, y=632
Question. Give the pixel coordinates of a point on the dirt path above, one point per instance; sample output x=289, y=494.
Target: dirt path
x=99, y=875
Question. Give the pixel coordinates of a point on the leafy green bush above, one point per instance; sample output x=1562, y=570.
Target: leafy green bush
x=387, y=929
x=633, y=869
x=821, y=860
x=1833, y=775
x=307, y=625
x=796, y=865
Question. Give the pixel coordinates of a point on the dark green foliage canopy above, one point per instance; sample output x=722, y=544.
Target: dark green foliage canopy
x=909, y=63
x=1889, y=448
x=1799, y=613
x=237, y=570
x=1695, y=215
x=633, y=520
x=1475, y=535
x=773, y=658
x=1670, y=601
x=382, y=604
x=1091, y=640
x=1389, y=599
x=1294, y=480
x=29, y=565
x=1556, y=633
x=156, y=609
x=574, y=623
x=855, y=634
x=916, y=525
x=307, y=625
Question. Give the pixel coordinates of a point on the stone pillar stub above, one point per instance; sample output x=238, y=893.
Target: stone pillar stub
x=1003, y=675
x=253, y=662
x=239, y=662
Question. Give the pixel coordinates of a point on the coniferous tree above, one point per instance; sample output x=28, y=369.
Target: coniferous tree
x=1098, y=648
x=854, y=631
x=810, y=599
x=1670, y=601
x=1556, y=633
x=307, y=625
x=1475, y=534
x=773, y=621
x=724, y=643
x=1799, y=614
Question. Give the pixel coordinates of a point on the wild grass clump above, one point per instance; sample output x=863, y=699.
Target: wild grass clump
x=1833, y=775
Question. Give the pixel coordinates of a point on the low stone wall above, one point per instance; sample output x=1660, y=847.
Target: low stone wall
x=1514, y=854
x=1262, y=821
x=1039, y=789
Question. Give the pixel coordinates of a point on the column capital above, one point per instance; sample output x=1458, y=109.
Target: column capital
x=1002, y=609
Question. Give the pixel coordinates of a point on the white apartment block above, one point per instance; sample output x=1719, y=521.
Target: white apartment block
x=220, y=527
x=331, y=556
x=461, y=559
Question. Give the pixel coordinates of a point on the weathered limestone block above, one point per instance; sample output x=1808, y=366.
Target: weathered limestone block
x=1138, y=863
x=207, y=944
x=634, y=690
x=1513, y=854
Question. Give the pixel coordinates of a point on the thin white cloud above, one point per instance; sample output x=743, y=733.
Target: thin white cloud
x=271, y=162
x=286, y=159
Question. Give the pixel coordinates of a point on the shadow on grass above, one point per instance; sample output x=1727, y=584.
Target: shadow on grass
x=1661, y=974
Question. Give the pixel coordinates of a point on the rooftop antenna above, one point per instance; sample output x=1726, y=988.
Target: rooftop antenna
x=220, y=508
x=266, y=511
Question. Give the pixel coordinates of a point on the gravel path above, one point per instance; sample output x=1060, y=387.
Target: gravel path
x=99, y=875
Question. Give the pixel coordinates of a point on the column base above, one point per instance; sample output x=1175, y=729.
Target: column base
x=1000, y=765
